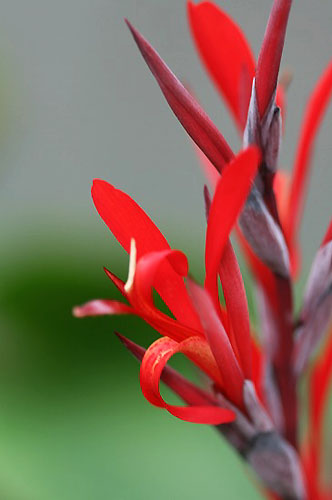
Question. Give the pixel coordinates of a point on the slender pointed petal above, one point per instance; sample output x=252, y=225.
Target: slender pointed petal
x=127, y=220
x=237, y=307
x=231, y=193
x=101, y=307
x=219, y=343
x=314, y=113
x=116, y=281
x=319, y=386
x=185, y=107
x=226, y=54
x=270, y=54
x=153, y=363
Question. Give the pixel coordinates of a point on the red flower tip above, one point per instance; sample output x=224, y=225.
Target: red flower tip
x=226, y=54
x=101, y=307
x=270, y=54
x=328, y=235
x=135, y=349
x=190, y=114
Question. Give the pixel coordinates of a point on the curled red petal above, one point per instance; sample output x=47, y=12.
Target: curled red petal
x=219, y=343
x=186, y=390
x=316, y=107
x=127, y=220
x=101, y=307
x=226, y=54
x=237, y=307
x=153, y=363
x=230, y=195
x=190, y=114
x=270, y=54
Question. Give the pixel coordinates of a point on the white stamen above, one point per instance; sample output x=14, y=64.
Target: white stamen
x=132, y=266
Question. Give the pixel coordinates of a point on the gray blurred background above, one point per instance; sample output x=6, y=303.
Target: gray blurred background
x=78, y=102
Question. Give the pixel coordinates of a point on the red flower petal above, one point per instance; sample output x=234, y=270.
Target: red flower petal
x=317, y=105
x=189, y=392
x=230, y=196
x=139, y=293
x=153, y=363
x=270, y=54
x=127, y=220
x=185, y=107
x=237, y=307
x=101, y=308
x=320, y=382
x=226, y=55
x=219, y=343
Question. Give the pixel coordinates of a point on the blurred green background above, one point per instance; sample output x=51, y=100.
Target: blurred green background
x=76, y=102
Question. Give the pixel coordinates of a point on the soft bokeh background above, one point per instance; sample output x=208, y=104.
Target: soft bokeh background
x=77, y=102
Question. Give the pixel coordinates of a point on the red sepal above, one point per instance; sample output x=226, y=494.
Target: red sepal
x=226, y=54
x=153, y=363
x=190, y=114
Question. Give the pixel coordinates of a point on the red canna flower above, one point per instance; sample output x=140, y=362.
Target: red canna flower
x=252, y=393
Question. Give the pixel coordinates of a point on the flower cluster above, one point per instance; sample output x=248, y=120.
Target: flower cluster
x=252, y=396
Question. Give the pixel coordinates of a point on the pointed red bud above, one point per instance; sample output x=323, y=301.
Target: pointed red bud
x=270, y=53
x=190, y=114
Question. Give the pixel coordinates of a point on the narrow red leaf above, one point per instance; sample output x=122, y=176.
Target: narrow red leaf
x=190, y=114
x=230, y=195
x=101, y=307
x=153, y=363
x=127, y=220
x=220, y=344
x=237, y=307
x=270, y=54
x=226, y=54
x=316, y=107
